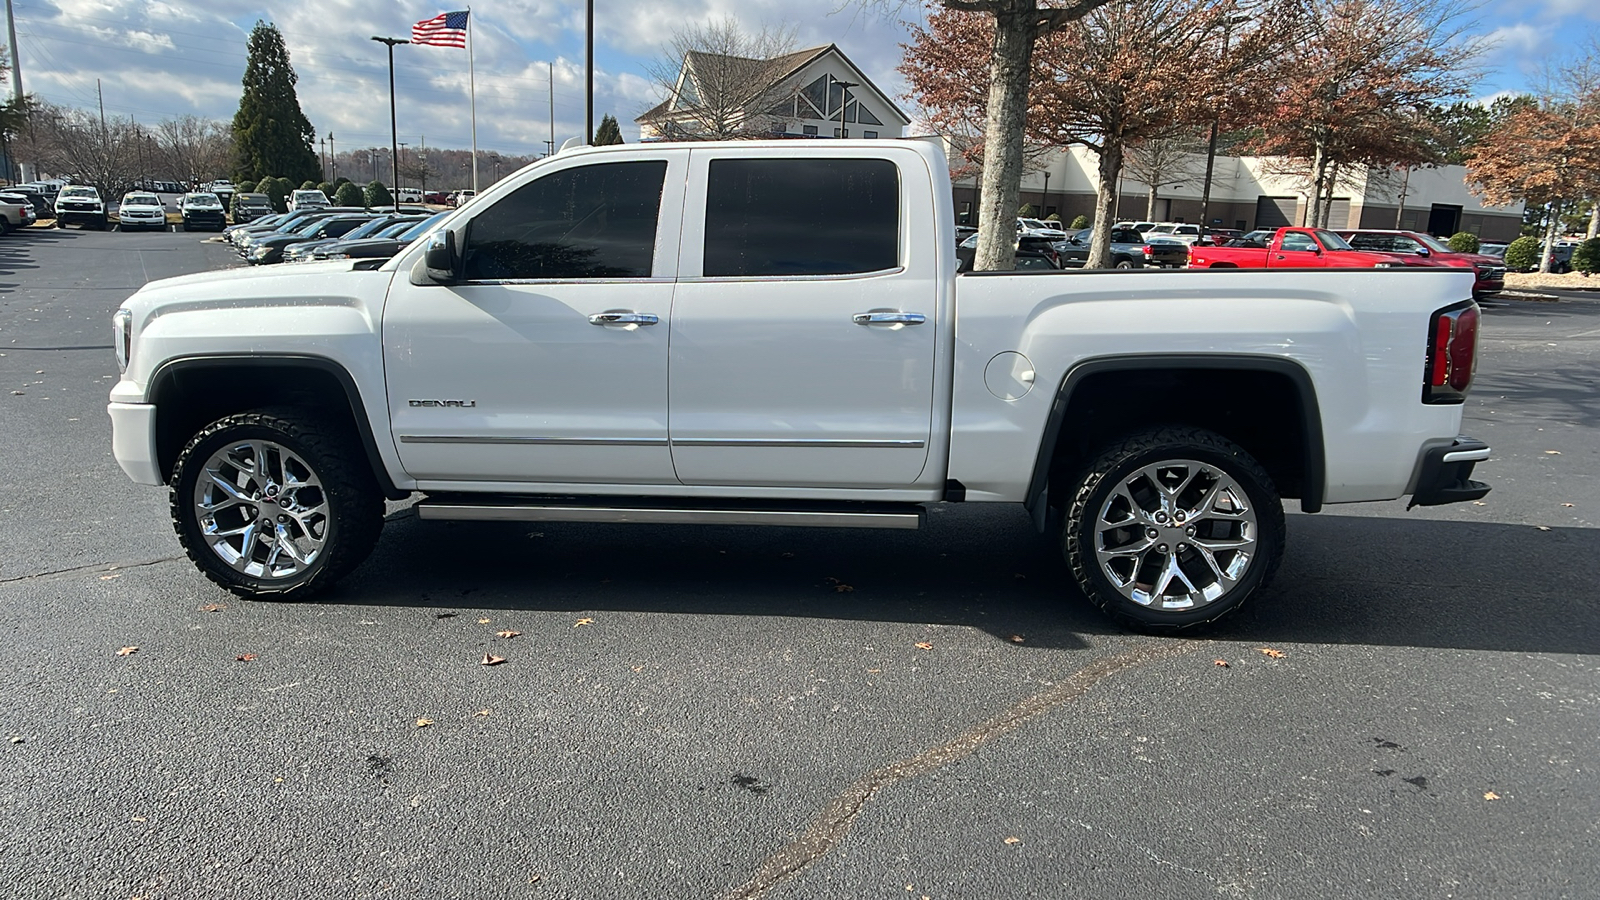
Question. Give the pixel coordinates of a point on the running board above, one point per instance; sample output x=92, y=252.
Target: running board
x=654, y=512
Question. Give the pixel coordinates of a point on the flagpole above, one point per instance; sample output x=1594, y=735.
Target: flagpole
x=472, y=93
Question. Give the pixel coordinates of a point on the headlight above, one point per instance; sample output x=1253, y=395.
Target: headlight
x=260, y=252
x=338, y=256
x=122, y=337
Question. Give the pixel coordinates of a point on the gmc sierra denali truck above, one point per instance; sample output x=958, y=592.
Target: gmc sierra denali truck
x=775, y=333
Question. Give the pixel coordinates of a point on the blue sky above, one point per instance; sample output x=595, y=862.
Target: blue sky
x=163, y=58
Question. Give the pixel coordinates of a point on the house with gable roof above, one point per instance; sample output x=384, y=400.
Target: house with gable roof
x=799, y=95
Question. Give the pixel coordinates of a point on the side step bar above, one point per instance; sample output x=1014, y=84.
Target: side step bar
x=666, y=512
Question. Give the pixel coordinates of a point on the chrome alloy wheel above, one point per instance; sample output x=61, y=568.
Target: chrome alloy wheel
x=1176, y=535
x=262, y=509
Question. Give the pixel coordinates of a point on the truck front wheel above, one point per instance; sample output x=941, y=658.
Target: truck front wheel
x=275, y=503
x=1172, y=528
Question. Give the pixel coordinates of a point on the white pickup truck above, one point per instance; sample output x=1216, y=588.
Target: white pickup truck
x=775, y=333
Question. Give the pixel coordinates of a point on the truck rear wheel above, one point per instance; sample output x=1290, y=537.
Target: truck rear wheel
x=275, y=503
x=1172, y=528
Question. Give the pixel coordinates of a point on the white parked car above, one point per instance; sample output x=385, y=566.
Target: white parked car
x=730, y=333
x=1175, y=231
x=16, y=211
x=142, y=210
x=308, y=200
x=1041, y=228
x=408, y=195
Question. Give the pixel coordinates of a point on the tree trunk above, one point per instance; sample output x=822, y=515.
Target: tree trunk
x=1594, y=223
x=1319, y=170
x=1150, y=205
x=1552, y=225
x=1009, y=70
x=1105, y=200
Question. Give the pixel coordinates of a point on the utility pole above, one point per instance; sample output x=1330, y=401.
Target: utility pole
x=422, y=165
x=333, y=159
x=844, y=100
x=394, y=128
x=552, y=141
x=588, y=74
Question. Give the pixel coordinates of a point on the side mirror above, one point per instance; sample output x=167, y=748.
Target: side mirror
x=442, y=263
x=1423, y=251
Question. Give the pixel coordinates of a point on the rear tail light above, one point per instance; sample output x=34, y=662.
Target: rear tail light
x=1452, y=354
x=1148, y=252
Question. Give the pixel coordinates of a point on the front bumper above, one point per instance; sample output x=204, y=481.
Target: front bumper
x=1445, y=473
x=133, y=441
x=80, y=215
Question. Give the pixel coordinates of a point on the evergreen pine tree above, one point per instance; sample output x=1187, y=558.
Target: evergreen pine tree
x=608, y=132
x=271, y=134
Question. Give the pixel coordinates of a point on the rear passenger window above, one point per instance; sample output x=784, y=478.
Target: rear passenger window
x=801, y=217
x=591, y=222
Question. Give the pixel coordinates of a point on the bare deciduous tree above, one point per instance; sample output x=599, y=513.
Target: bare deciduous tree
x=1163, y=161
x=721, y=82
x=193, y=147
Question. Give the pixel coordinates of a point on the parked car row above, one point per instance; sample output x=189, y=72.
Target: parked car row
x=1039, y=248
x=16, y=211
x=310, y=232
x=1319, y=248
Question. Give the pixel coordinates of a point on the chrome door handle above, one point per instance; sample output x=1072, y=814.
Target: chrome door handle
x=888, y=317
x=622, y=317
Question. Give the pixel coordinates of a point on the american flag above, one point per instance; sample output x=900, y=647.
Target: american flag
x=444, y=30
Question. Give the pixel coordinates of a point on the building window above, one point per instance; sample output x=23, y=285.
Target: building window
x=865, y=116
x=810, y=130
x=845, y=133
x=780, y=127
x=595, y=221
x=801, y=217
x=966, y=213
x=869, y=134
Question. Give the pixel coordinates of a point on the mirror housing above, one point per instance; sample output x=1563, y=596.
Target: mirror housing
x=1423, y=251
x=441, y=261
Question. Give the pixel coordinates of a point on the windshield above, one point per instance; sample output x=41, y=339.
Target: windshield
x=368, y=229
x=1433, y=243
x=203, y=200
x=140, y=200
x=80, y=192
x=1331, y=241
x=422, y=227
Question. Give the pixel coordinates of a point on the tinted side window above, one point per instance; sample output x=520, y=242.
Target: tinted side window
x=591, y=222
x=1298, y=240
x=802, y=217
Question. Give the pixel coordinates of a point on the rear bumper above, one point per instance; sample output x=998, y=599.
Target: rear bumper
x=133, y=441
x=1444, y=475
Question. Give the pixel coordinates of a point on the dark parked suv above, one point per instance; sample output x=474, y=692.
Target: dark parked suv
x=1129, y=250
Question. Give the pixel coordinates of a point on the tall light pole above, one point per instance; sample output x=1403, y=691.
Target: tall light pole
x=588, y=74
x=401, y=146
x=1211, y=145
x=394, y=128
x=1044, y=208
x=333, y=160
x=844, y=101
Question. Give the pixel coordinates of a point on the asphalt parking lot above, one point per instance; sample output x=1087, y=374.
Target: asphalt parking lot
x=786, y=713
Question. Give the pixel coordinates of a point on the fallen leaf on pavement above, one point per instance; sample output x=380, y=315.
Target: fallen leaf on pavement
x=245, y=657
x=582, y=622
x=109, y=577
x=490, y=659
x=483, y=621
x=1542, y=527
x=1017, y=639
x=139, y=819
x=1220, y=662
x=873, y=671
x=1013, y=840
x=484, y=713
x=424, y=723
x=1491, y=795
x=843, y=589
x=508, y=633
x=213, y=607
x=127, y=651
x=1479, y=503
x=1552, y=452
x=1275, y=654
x=924, y=645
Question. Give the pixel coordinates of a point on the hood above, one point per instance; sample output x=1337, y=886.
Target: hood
x=331, y=283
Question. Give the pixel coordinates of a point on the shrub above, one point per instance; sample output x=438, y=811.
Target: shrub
x=327, y=189
x=1025, y=211
x=378, y=195
x=308, y=185
x=1080, y=222
x=1464, y=242
x=1522, y=254
x=341, y=180
x=246, y=187
x=1053, y=217
x=1586, y=258
x=349, y=194
x=277, y=190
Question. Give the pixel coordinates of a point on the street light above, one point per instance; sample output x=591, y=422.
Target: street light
x=1211, y=145
x=333, y=160
x=394, y=128
x=844, y=101
x=400, y=146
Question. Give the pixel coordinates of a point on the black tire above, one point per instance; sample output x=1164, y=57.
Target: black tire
x=1094, y=494
x=186, y=225
x=1124, y=264
x=331, y=449
x=5, y=226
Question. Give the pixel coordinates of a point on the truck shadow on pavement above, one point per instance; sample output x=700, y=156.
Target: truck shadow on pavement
x=1344, y=580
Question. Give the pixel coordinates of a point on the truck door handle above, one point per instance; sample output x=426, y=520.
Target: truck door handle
x=623, y=317
x=888, y=317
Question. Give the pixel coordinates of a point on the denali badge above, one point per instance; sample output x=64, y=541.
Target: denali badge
x=462, y=404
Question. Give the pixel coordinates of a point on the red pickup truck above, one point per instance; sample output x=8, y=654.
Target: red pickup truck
x=1490, y=270
x=1293, y=248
